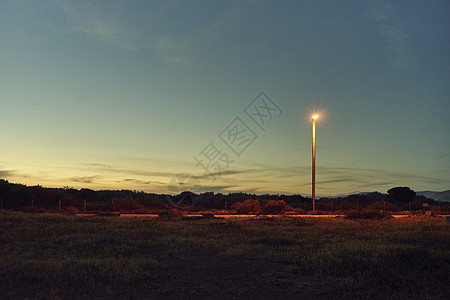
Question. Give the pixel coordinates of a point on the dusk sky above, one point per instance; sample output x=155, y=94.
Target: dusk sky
x=162, y=96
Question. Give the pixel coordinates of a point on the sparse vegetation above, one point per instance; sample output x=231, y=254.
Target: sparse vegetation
x=51, y=256
x=367, y=215
x=252, y=206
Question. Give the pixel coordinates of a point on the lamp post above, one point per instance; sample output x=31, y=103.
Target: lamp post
x=313, y=181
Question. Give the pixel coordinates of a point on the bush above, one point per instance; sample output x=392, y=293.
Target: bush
x=143, y=211
x=379, y=205
x=318, y=212
x=127, y=204
x=276, y=207
x=296, y=211
x=366, y=215
x=249, y=206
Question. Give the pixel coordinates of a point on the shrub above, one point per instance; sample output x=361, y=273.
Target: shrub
x=249, y=206
x=143, y=211
x=276, y=207
x=296, y=211
x=379, y=205
x=299, y=211
x=366, y=215
x=127, y=204
x=318, y=212
x=445, y=209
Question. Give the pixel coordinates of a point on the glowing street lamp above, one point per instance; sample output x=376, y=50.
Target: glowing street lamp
x=313, y=181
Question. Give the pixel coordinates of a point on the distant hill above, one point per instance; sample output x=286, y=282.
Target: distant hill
x=438, y=196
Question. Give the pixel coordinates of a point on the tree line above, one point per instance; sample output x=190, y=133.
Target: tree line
x=21, y=197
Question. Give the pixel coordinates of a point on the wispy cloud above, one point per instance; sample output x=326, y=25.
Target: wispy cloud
x=362, y=178
x=172, y=44
x=143, y=182
x=397, y=39
x=440, y=157
x=173, y=49
x=253, y=178
x=331, y=179
x=85, y=179
x=6, y=173
x=98, y=167
x=214, y=33
x=213, y=175
x=86, y=17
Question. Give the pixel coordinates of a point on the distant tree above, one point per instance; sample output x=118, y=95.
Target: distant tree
x=249, y=206
x=126, y=203
x=401, y=194
x=4, y=188
x=276, y=207
x=87, y=194
x=345, y=204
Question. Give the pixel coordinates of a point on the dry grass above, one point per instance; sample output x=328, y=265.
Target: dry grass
x=48, y=256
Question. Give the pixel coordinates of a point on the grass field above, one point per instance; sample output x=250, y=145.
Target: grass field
x=51, y=256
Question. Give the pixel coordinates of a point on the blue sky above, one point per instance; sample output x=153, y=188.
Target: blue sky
x=127, y=95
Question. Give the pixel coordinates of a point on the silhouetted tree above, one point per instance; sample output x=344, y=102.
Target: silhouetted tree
x=401, y=194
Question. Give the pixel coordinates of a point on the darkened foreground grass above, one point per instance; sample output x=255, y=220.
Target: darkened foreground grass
x=49, y=256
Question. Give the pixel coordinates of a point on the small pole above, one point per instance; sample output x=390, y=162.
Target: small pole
x=440, y=206
x=84, y=209
x=410, y=207
x=59, y=204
